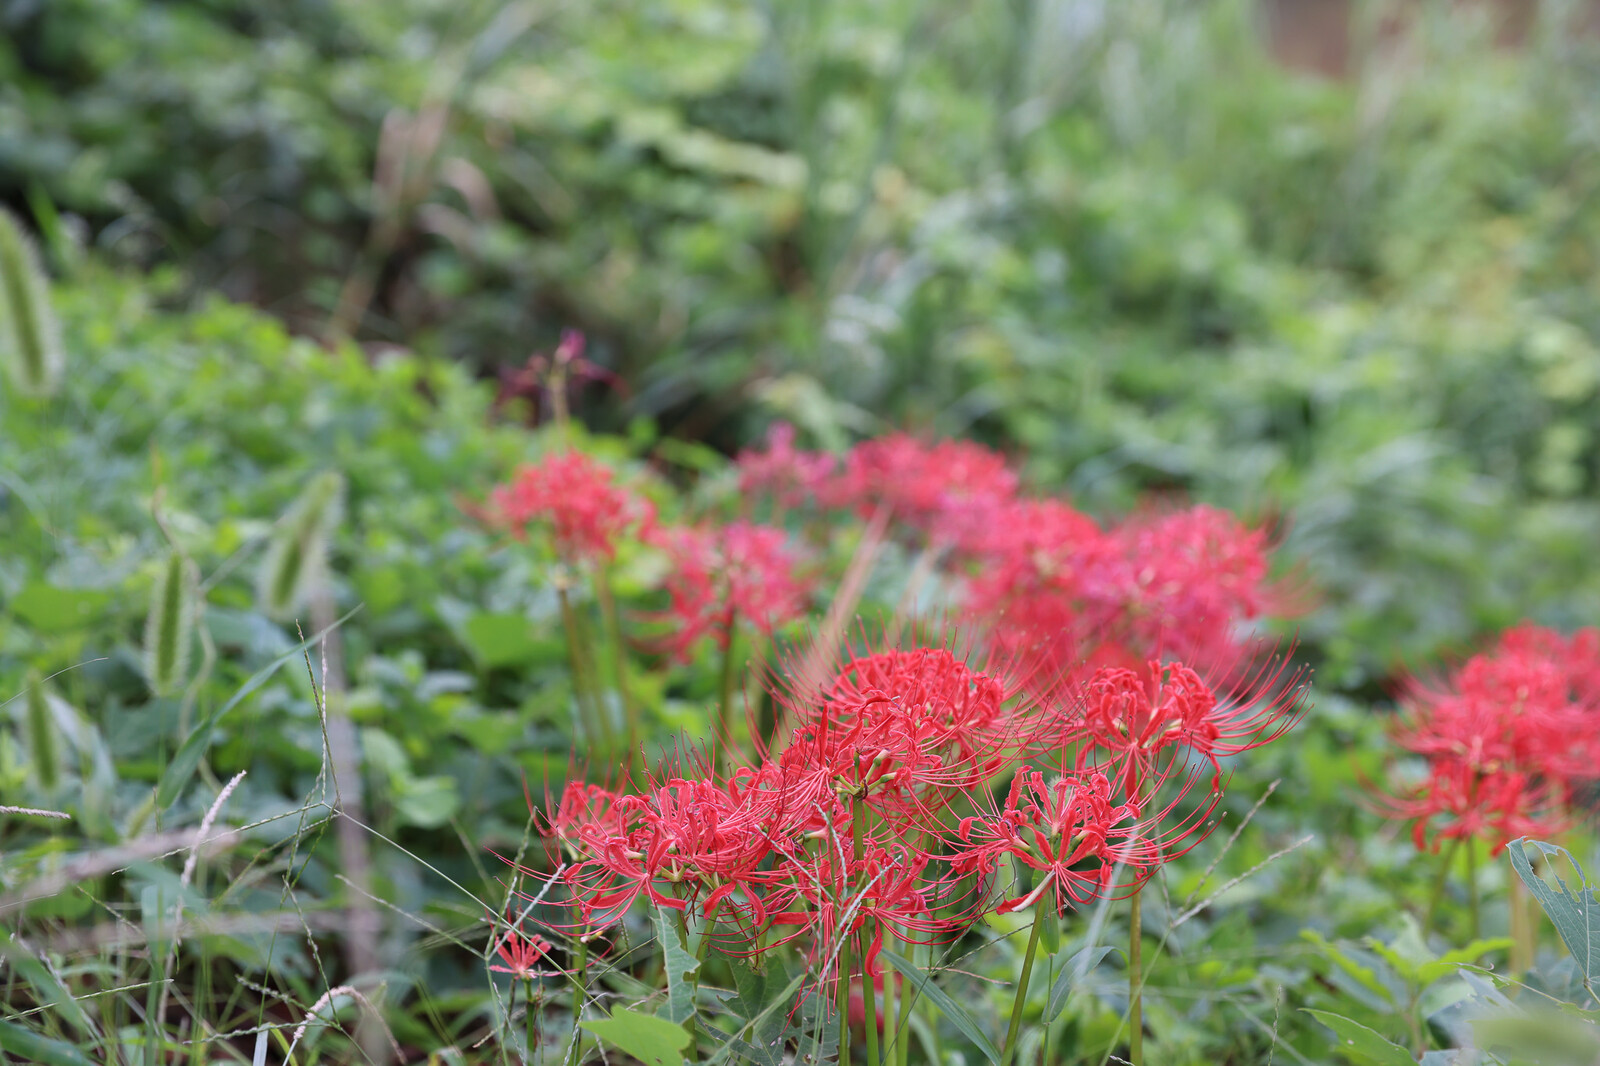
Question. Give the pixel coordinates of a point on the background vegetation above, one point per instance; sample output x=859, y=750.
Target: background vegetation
x=1115, y=240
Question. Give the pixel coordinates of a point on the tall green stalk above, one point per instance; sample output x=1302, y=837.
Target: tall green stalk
x=869, y=999
x=1472, y=889
x=582, y=676
x=1020, y=1001
x=1447, y=860
x=721, y=734
x=619, y=659
x=1135, y=981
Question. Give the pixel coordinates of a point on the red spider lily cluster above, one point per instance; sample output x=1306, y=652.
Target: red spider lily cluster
x=1083, y=744
x=1507, y=739
x=877, y=818
x=575, y=497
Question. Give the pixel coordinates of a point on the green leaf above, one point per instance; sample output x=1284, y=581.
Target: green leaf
x=56, y=610
x=1451, y=961
x=653, y=1041
x=187, y=758
x=679, y=965
x=1363, y=975
x=29, y=1046
x=500, y=639
x=955, y=1012
x=776, y=1002
x=762, y=1031
x=1086, y=959
x=1358, y=1042
x=1576, y=915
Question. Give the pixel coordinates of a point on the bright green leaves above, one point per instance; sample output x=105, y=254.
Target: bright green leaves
x=1361, y=1044
x=652, y=1040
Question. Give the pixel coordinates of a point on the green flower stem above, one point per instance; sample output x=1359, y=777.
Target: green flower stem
x=619, y=660
x=533, y=1028
x=869, y=997
x=1446, y=861
x=891, y=1027
x=1472, y=888
x=721, y=735
x=1135, y=982
x=1020, y=1001
x=582, y=679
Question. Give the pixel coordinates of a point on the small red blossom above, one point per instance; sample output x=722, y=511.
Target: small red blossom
x=521, y=954
x=1459, y=801
x=718, y=574
x=576, y=497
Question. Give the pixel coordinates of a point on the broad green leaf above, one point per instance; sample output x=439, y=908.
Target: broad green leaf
x=1363, y=975
x=1543, y=1036
x=679, y=965
x=57, y=610
x=1085, y=960
x=756, y=991
x=500, y=639
x=1363, y=1045
x=955, y=1012
x=29, y=1046
x=1576, y=914
x=187, y=758
x=780, y=1001
x=1451, y=961
x=652, y=1040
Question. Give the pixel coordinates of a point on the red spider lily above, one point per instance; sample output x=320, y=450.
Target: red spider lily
x=1460, y=801
x=793, y=477
x=947, y=490
x=1526, y=706
x=902, y=731
x=830, y=896
x=1076, y=837
x=717, y=574
x=574, y=494
x=521, y=954
x=1193, y=576
x=1134, y=716
x=1050, y=581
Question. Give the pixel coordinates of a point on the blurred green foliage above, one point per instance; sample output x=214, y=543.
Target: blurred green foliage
x=1113, y=237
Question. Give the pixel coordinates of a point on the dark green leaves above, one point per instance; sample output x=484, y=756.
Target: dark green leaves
x=1574, y=911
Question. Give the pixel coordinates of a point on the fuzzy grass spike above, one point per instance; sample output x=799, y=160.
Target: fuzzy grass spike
x=297, y=554
x=169, y=628
x=30, y=335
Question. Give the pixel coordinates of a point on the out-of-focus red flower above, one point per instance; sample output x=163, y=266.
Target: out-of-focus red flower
x=1507, y=738
x=1051, y=583
x=1193, y=575
x=1459, y=801
x=947, y=490
x=719, y=573
x=576, y=498
x=792, y=476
